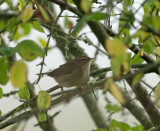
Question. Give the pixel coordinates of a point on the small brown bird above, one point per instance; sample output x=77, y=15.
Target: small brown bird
x=73, y=73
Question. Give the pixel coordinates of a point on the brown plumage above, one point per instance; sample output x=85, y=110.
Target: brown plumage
x=72, y=73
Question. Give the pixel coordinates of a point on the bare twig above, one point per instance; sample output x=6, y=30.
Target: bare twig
x=10, y=93
x=46, y=48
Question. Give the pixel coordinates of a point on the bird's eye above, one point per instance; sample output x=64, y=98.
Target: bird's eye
x=83, y=59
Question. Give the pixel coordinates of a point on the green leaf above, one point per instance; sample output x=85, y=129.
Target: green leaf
x=42, y=117
x=8, y=51
x=2, y=24
x=20, y=30
x=43, y=12
x=126, y=21
x=27, y=14
x=78, y=26
x=43, y=100
x=152, y=21
x=18, y=74
x=1, y=92
x=138, y=128
x=149, y=2
x=142, y=35
x=95, y=16
x=12, y=23
x=71, y=2
x=137, y=78
x=149, y=45
x=113, y=108
x=128, y=2
x=136, y=59
x=23, y=93
x=37, y=26
x=4, y=66
x=0, y=112
x=26, y=27
x=29, y=50
x=115, y=125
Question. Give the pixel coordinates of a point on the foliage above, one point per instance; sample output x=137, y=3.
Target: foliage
x=23, y=93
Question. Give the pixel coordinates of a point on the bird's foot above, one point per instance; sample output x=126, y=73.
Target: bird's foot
x=62, y=93
x=81, y=89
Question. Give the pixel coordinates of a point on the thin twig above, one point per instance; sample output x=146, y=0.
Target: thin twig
x=46, y=48
x=10, y=93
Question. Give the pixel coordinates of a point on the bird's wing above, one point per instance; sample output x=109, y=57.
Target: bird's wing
x=64, y=69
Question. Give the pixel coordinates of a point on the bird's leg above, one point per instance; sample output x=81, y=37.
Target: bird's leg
x=62, y=92
x=81, y=89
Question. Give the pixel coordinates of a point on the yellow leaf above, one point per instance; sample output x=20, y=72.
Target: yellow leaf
x=117, y=93
x=115, y=47
x=108, y=83
x=157, y=39
x=86, y=5
x=42, y=42
x=112, y=87
x=27, y=14
x=18, y=74
x=142, y=34
x=140, y=53
x=157, y=52
x=21, y=4
x=157, y=94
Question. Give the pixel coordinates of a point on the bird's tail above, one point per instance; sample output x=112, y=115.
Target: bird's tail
x=45, y=73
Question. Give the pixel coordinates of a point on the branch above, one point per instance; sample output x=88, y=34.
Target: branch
x=135, y=66
x=148, y=104
x=94, y=27
x=75, y=92
x=18, y=118
x=23, y=106
x=54, y=102
x=10, y=93
x=67, y=6
x=138, y=112
x=93, y=108
x=145, y=56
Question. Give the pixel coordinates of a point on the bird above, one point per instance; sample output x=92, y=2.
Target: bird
x=73, y=73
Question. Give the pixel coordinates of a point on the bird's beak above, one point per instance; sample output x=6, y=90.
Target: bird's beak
x=91, y=59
